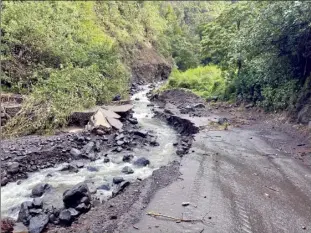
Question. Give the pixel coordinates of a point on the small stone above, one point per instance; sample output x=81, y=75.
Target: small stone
x=104, y=187
x=304, y=227
x=133, y=121
x=65, y=217
x=119, y=149
x=92, y=169
x=73, y=212
x=75, y=152
x=83, y=207
x=106, y=160
x=127, y=170
x=142, y=162
x=13, y=167
x=100, y=132
x=127, y=158
x=185, y=203
x=79, y=165
x=4, y=181
x=113, y=217
x=267, y=195
x=117, y=180
x=120, y=143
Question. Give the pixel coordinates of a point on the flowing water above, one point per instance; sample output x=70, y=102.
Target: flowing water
x=13, y=194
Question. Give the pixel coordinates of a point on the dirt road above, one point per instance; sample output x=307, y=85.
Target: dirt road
x=235, y=181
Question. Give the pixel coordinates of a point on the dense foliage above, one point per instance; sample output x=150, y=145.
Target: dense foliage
x=71, y=55
x=68, y=56
x=266, y=46
x=207, y=81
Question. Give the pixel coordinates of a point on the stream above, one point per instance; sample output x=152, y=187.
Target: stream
x=13, y=194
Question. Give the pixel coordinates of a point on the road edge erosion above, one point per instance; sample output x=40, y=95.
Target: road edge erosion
x=124, y=210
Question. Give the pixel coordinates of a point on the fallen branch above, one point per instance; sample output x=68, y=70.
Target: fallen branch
x=272, y=189
x=153, y=214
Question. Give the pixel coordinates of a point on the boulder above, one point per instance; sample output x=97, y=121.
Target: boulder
x=140, y=133
x=24, y=215
x=104, y=187
x=65, y=217
x=13, y=167
x=120, y=187
x=127, y=158
x=127, y=170
x=141, y=162
x=72, y=197
x=117, y=180
x=88, y=148
x=75, y=153
x=39, y=189
x=38, y=223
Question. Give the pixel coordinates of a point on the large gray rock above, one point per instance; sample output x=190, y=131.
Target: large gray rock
x=75, y=153
x=38, y=223
x=73, y=197
x=24, y=215
x=13, y=167
x=141, y=162
x=65, y=217
x=127, y=170
x=39, y=189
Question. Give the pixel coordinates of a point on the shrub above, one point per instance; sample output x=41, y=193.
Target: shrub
x=205, y=81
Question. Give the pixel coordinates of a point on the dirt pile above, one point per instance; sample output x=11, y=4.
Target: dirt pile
x=148, y=66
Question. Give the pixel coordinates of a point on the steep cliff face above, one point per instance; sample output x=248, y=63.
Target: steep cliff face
x=149, y=66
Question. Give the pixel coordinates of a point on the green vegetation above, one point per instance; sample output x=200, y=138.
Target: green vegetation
x=265, y=49
x=67, y=56
x=207, y=81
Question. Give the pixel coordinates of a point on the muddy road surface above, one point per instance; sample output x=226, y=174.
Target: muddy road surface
x=236, y=180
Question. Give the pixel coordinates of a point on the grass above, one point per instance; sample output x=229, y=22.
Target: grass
x=205, y=81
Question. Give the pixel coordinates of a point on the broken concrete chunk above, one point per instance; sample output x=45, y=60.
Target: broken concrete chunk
x=120, y=108
x=115, y=123
x=98, y=120
x=109, y=113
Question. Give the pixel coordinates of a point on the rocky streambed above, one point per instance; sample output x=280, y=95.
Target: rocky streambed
x=55, y=179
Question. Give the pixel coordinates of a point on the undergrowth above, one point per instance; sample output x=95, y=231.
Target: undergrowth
x=207, y=81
